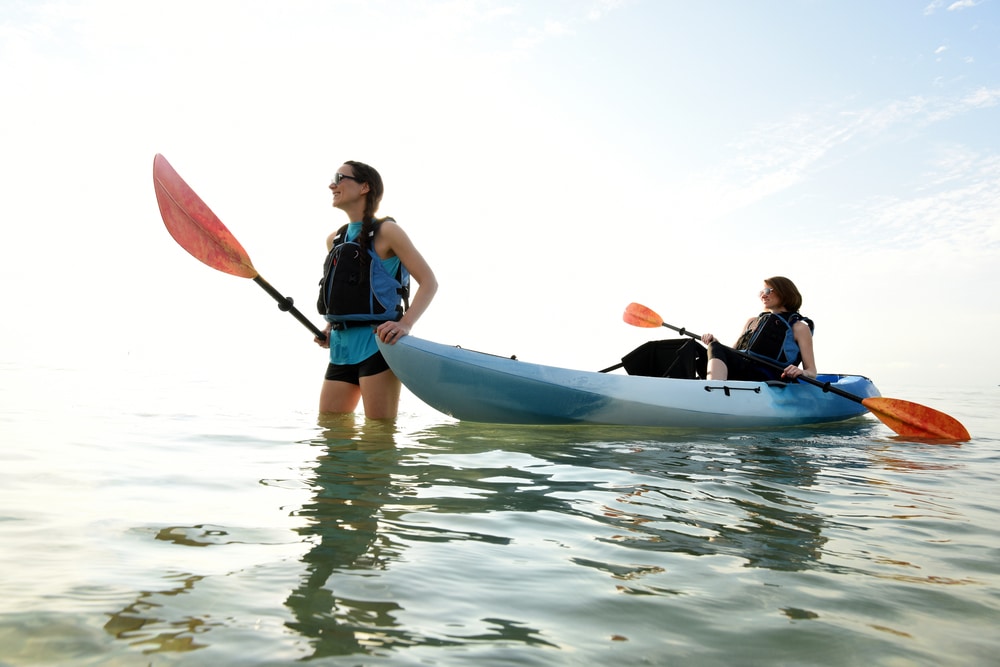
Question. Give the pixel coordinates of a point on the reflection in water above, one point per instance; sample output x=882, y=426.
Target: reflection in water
x=364, y=488
x=630, y=505
x=141, y=625
x=751, y=503
x=692, y=495
x=352, y=481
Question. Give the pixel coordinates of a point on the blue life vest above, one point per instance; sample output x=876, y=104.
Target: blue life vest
x=771, y=336
x=356, y=289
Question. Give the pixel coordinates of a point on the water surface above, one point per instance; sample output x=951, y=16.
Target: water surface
x=157, y=523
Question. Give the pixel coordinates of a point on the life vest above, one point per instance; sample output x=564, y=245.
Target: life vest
x=772, y=337
x=356, y=289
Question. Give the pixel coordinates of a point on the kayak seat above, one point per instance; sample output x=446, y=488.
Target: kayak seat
x=680, y=358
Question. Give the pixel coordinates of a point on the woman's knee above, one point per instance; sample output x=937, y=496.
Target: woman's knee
x=717, y=370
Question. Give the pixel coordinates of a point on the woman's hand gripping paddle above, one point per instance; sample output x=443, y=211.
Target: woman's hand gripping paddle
x=201, y=233
x=905, y=418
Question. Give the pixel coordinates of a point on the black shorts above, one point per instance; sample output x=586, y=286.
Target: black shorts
x=353, y=373
x=739, y=367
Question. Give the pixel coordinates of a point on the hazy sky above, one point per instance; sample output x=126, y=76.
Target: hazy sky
x=553, y=159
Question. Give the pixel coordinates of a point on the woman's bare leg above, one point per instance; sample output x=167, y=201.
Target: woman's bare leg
x=717, y=369
x=340, y=397
x=380, y=394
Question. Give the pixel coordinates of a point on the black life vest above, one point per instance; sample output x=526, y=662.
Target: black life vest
x=771, y=336
x=356, y=290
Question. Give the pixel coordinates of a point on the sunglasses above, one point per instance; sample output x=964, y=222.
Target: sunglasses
x=338, y=177
x=766, y=291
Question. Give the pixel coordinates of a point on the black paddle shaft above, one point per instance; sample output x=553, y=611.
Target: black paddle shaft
x=285, y=303
x=825, y=386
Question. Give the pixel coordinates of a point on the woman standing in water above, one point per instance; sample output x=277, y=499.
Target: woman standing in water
x=357, y=370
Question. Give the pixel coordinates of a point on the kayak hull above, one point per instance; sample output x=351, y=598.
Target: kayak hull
x=480, y=387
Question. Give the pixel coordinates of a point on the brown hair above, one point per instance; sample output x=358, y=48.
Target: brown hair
x=367, y=174
x=791, y=300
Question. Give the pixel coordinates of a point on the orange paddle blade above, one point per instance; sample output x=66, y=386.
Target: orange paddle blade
x=639, y=315
x=915, y=420
x=194, y=226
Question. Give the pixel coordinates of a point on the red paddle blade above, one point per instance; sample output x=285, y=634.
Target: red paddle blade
x=640, y=316
x=194, y=226
x=915, y=420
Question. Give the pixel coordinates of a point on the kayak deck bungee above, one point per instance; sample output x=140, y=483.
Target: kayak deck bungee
x=481, y=387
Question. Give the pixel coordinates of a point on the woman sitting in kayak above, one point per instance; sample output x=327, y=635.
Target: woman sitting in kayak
x=779, y=334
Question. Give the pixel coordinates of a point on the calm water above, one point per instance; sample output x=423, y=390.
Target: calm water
x=166, y=522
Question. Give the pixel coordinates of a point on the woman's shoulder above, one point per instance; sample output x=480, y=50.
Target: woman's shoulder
x=387, y=224
x=389, y=229
x=802, y=323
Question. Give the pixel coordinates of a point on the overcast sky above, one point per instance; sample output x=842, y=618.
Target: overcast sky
x=553, y=159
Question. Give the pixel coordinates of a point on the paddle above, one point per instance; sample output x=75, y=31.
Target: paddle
x=201, y=233
x=905, y=418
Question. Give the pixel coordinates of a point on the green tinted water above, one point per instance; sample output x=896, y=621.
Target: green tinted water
x=180, y=531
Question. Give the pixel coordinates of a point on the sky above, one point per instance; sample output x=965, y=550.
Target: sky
x=554, y=160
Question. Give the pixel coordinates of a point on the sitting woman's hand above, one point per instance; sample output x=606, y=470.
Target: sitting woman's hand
x=792, y=373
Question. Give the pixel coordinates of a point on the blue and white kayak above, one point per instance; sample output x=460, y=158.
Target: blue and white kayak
x=480, y=387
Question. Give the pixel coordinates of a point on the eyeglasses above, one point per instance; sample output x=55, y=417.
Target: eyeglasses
x=766, y=291
x=338, y=177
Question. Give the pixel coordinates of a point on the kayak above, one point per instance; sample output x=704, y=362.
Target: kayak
x=480, y=387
